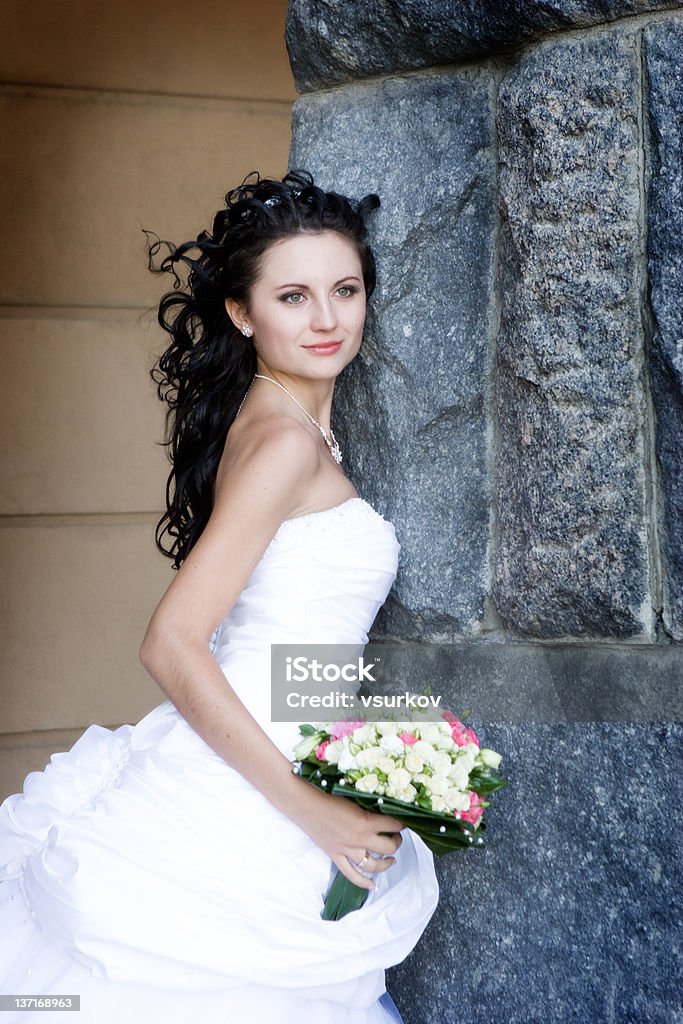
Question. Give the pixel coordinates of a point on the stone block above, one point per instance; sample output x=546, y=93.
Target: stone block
x=663, y=49
x=412, y=407
x=571, y=910
x=527, y=681
x=330, y=43
x=572, y=507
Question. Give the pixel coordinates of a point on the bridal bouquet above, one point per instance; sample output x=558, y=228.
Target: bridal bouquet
x=431, y=776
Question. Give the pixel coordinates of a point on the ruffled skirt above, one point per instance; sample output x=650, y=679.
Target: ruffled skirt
x=144, y=874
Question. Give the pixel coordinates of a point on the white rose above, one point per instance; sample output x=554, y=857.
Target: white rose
x=459, y=800
x=459, y=775
x=399, y=778
x=392, y=745
x=405, y=793
x=424, y=779
x=489, y=757
x=333, y=751
x=347, y=761
x=438, y=784
x=439, y=804
x=430, y=732
x=413, y=761
x=369, y=758
x=408, y=793
x=367, y=783
x=425, y=750
x=388, y=728
x=365, y=734
x=441, y=762
x=466, y=756
x=386, y=764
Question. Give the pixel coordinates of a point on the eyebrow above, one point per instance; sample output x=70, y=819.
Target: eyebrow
x=293, y=284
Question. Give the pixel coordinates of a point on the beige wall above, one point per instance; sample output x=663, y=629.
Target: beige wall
x=114, y=117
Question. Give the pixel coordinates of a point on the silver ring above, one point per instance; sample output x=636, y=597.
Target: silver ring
x=366, y=857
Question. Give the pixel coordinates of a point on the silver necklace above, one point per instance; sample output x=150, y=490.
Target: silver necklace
x=332, y=444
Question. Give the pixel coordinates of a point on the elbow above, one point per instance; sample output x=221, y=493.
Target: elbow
x=166, y=647
x=151, y=649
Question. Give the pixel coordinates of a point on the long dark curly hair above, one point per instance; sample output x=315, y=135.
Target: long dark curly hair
x=208, y=366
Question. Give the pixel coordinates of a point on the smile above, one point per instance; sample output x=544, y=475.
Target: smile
x=324, y=348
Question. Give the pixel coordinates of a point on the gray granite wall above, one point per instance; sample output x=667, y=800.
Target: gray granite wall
x=517, y=411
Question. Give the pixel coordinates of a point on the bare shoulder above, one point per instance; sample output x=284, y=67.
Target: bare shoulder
x=259, y=485
x=277, y=449
x=265, y=474
x=277, y=433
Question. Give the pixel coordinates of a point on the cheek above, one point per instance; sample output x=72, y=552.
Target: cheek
x=276, y=322
x=360, y=317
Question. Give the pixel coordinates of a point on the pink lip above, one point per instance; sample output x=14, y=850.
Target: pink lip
x=324, y=347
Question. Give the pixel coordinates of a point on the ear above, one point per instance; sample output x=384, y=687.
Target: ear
x=236, y=312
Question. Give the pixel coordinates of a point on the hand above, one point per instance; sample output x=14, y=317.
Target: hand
x=346, y=832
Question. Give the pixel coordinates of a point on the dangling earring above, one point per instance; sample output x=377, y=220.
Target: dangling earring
x=246, y=330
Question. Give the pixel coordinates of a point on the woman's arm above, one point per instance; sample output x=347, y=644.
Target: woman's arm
x=260, y=490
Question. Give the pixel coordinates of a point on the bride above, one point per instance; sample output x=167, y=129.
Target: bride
x=175, y=870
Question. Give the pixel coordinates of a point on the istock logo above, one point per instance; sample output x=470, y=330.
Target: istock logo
x=302, y=670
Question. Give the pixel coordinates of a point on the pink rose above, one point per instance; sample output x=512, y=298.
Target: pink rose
x=448, y=716
x=475, y=811
x=463, y=735
x=408, y=738
x=471, y=736
x=458, y=734
x=320, y=751
x=341, y=729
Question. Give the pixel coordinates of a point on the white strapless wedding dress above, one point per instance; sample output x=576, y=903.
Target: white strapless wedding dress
x=143, y=873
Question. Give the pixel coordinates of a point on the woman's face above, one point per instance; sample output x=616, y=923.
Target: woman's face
x=309, y=293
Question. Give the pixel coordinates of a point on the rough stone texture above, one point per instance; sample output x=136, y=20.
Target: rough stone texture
x=663, y=45
x=331, y=42
x=412, y=407
x=572, y=557
x=526, y=682
x=571, y=911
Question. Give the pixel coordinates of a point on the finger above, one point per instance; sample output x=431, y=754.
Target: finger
x=345, y=865
x=374, y=863
x=382, y=856
x=389, y=824
x=382, y=864
x=385, y=844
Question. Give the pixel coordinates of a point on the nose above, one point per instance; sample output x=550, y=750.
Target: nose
x=324, y=316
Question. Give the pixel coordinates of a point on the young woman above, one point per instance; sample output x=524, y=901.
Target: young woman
x=176, y=870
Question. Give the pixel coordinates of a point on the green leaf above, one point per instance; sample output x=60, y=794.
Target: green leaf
x=343, y=897
x=484, y=781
